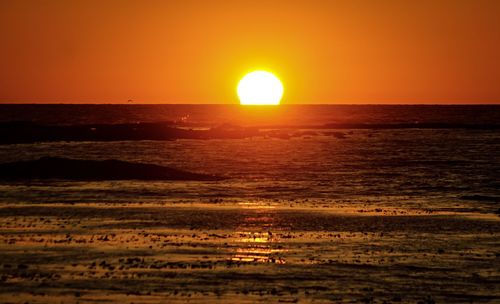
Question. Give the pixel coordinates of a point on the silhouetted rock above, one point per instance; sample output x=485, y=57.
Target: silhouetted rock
x=15, y=133
x=26, y=132
x=73, y=169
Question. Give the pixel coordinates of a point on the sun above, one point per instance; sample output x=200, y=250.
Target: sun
x=260, y=88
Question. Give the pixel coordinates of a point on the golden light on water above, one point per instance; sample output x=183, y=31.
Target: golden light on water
x=256, y=243
x=260, y=88
x=258, y=247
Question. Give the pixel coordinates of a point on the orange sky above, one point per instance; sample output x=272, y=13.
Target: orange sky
x=188, y=51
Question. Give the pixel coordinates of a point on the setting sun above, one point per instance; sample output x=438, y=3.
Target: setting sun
x=260, y=88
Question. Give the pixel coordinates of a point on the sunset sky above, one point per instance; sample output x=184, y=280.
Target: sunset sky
x=189, y=51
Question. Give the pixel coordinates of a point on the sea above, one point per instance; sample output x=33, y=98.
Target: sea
x=436, y=157
x=289, y=204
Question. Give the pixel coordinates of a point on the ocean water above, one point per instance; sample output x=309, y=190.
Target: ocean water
x=342, y=204
x=214, y=115
x=453, y=167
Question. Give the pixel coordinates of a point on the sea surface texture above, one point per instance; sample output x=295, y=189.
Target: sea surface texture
x=324, y=203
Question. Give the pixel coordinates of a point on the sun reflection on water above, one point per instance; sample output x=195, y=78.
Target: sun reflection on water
x=256, y=242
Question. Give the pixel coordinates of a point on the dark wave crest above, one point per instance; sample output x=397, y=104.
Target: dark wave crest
x=76, y=169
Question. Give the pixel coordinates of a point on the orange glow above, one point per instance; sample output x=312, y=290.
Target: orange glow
x=194, y=51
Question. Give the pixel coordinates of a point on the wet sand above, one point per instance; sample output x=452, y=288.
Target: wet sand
x=255, y=252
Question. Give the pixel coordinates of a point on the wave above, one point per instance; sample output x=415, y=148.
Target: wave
x=77, y=169
x=23, y=132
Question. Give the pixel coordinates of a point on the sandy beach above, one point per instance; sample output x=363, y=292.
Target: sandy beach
x=256, y=252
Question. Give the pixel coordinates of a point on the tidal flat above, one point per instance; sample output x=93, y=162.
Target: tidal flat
x=262, y=251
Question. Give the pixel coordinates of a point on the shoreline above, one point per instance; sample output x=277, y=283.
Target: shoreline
x=167, y=252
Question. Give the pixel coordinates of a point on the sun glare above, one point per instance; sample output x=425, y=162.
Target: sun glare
x=260, y=88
